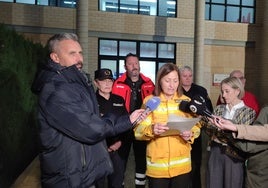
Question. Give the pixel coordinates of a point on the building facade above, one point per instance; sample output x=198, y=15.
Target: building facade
x=212, y=47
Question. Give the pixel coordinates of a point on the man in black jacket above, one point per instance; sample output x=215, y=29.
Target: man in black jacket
x=191, y=90
x=72, y=134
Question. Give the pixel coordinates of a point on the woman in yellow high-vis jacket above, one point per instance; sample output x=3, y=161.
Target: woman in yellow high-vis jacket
x=168, y=152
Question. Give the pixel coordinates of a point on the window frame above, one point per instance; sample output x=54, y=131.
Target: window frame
x=142, y=6
x=210, y=3
x=117, y=58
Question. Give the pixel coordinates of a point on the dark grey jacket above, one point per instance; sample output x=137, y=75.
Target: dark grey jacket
x=73, y=152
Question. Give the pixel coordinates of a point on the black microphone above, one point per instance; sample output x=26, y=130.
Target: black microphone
x=197, y=105
x=151, y=105
x=184, y=106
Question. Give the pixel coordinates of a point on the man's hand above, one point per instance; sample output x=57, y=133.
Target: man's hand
x=138, y=114
x=115, y=146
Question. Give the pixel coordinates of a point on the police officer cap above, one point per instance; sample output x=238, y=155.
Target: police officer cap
x=103, y=74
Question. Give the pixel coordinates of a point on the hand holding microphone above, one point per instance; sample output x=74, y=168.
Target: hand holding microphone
x=151, y=105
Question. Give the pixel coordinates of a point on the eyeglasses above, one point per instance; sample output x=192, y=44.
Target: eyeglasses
x=240, y=78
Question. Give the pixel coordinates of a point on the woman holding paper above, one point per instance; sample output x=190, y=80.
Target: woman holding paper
x=226, y=162
x=168, y=152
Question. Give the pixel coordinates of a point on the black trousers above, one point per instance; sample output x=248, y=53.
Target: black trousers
x=196, y=159
x=116, y=179
x=139, y=149
x=181, y=181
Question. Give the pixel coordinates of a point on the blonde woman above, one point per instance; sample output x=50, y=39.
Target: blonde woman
x=225, y=167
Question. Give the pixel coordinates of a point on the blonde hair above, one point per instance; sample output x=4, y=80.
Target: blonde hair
x=235, y=83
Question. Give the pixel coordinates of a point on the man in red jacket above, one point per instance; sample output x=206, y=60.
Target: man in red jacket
x=133, y=86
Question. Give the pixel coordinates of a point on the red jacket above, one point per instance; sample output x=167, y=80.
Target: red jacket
x=122, y=89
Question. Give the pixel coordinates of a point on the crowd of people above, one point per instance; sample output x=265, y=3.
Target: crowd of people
x=86, y=132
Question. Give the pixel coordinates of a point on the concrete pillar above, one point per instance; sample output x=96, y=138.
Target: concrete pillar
x=199, y=28
x=82, y=29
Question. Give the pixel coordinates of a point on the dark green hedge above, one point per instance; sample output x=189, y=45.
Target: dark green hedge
x=18, y=127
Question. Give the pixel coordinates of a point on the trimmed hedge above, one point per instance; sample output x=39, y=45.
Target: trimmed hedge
x=18, y=126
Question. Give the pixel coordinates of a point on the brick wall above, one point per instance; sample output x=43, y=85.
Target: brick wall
x=225, y=43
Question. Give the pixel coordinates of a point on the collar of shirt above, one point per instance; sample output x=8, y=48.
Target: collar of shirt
x=229, y=113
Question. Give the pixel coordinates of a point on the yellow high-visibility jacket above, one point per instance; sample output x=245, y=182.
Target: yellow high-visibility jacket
x=167, y=156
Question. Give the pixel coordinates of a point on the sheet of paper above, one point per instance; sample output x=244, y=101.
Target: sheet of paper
x=181, y=123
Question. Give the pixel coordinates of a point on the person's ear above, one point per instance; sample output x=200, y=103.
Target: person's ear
x=238, y=91
x=54, y=57
x=95, y=83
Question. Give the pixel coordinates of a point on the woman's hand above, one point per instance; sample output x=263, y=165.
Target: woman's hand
x=223, y=124
x=160, y=128
x=186, y=135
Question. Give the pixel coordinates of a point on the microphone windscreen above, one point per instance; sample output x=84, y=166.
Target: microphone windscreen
x=153, y=103
x=198, y=106
x=184, y=106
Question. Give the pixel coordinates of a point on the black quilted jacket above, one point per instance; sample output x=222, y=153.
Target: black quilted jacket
x=73, y=152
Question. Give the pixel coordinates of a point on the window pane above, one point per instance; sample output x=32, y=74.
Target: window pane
x=148, y=69
x=248, y=2
x=166, y=50
x=232, y=14
x=121, y=67
x=217, y=1
x=217, y=12
x=108, y=47
x=148, y=7
x=42, y=2
x=167, y=8
x=207, y=12
x=126, y=47
x=26, y=1
x=7, y=0
x=130, y=7
x=160, y=64
x=233, y=2
x=109, y=64
x=109, y=5
x=63, y=3
x=247, y=15
x=147, y=49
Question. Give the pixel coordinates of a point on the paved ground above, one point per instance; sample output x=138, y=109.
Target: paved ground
x=30, y=178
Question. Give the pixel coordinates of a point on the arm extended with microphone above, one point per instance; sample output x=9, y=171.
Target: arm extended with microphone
x=151, y=105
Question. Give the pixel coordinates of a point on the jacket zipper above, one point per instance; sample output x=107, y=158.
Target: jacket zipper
x=83, y=157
